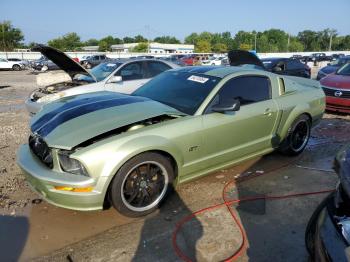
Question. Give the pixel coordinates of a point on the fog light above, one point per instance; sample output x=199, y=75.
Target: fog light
x=72, y=189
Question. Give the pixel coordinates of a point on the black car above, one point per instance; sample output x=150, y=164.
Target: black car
x=319, y=57
x=287, y=66
x=332, y=67
x=327, y=235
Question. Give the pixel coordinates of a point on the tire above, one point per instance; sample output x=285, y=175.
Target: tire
x=16, y=67
x=311, y=227
x=298, y=136
x=141, y=184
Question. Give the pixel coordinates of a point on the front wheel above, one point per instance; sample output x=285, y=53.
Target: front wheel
x=141, y=184
x=16, y=67
x=298, y=136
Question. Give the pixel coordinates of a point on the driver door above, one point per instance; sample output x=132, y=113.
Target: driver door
x=133, y=76
x=233, y=135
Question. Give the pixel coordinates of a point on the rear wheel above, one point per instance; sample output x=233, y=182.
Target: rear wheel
x=141, y=184
x=16, y=67
x=298, y=136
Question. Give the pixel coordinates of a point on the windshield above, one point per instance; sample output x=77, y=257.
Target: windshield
x=183, y=91
x=344, y=70
x=339, y=61
x=103, y=70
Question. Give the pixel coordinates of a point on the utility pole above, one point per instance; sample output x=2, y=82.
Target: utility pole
x=288, y=42
x=330, y=42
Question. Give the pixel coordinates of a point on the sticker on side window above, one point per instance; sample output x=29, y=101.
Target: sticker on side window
x=198, y=79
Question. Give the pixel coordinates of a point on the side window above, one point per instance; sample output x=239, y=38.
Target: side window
x=155, y=68
x=132, y=71
x=247, y=89
x=95, y=58
x=293, y=64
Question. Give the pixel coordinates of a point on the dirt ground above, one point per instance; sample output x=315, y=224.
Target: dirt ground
x=31, y=229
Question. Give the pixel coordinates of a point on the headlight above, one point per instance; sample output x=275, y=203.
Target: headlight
x=71, y=165
x=50, y=98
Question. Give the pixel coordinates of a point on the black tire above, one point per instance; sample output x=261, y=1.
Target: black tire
x=298, y=136
x=148, y=176
x=16, y=67
x=311, y=227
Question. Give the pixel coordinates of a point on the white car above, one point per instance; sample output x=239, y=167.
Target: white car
x=123, y=76
x=14, y=65
x=212, y=61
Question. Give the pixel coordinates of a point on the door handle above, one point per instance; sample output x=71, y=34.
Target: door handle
x=267, y=112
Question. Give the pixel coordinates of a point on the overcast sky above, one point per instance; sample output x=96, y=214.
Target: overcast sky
x=44, y=20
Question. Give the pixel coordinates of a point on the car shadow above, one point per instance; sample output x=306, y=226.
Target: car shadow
x=13, y=236
x=155, y=242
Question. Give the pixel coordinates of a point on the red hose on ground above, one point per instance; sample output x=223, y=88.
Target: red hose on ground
x=227, y=203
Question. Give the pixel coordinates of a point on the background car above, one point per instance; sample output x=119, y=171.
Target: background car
x=130, y=150
x=319, y=57
x=287, y=66
x=213, y=61
x=173, y=59
x=43, y=64
x=337, y=89
x=93, y=60
x=332, y=67
x=22, y=61
x=13, y=65
x=327, y=235
x=118, y=75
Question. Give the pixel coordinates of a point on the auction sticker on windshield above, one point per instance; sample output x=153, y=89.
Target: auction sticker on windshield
x=198, y=79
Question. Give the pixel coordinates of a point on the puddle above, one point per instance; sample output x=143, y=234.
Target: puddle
x=44, y=228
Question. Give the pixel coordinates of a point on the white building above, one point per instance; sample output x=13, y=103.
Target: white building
x=156, y=48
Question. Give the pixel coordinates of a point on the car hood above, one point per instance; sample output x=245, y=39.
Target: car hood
x=73, y=120
x=62, y=60
x=336, y=81
x=241, y=57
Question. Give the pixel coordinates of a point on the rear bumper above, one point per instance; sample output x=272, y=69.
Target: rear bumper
x=43, y=180
x=338, y=104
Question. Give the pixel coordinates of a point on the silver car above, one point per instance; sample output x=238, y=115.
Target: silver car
x=117, y=75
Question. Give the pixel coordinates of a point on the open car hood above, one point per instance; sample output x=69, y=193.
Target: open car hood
x=62, y=60
x=241, y=57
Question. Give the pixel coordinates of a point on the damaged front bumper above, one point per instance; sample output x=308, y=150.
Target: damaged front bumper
x=44, y=181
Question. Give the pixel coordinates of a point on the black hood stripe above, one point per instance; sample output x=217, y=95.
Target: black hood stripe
x=66, y=113
x=69, y=103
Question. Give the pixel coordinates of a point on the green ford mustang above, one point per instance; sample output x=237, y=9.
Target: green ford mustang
x=91, y=150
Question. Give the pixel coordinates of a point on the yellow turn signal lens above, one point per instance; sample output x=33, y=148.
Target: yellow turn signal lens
x=72, y=189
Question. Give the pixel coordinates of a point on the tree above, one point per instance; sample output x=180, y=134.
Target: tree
x=191, y=39
x=202, y=46
x=309, y=39
x=219, y=48
x=10, y=37
x=68, y=42
x=166, y=40
x=140, y=39
x=91, y=42
x=128, y=40
x=295, y=45
x=140, y=48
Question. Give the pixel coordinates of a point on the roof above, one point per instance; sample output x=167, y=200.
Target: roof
x=217, y=71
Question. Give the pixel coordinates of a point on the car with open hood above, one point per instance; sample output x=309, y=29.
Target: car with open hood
x=116, y=75
x=95, y=149
x=337, y=89
x=327, y=234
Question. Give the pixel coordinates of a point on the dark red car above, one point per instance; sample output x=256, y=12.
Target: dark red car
x=337, y=89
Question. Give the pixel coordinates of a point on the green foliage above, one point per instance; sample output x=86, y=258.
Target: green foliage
x=202, y=46
x=105, y=43
x=140, y=39
x=68, y=42
x=10, y=37
x=219, y=48
x=128, y=40
x=140, y=48
x=166, y=40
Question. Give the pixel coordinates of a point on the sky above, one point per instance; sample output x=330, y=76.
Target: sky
x=41, y=21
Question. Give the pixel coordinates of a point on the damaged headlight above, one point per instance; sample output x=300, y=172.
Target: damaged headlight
x=50, y=98
x=69, y=164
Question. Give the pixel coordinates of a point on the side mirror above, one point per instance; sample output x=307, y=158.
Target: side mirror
x=277, y=69
x=225, y=107
x=115, y=79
